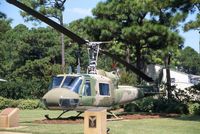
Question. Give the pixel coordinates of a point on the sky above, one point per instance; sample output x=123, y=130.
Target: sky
x=76, y=9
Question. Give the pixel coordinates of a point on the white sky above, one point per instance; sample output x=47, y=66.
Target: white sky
x=76, y=9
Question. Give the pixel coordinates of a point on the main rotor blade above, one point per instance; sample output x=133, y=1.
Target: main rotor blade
x=129, y=66
x=75, y=37
x=48, y=21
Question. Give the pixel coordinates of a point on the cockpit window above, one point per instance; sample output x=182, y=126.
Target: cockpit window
x=87, y=89
x=56, y=82
x=69, y=80
x=73, y=83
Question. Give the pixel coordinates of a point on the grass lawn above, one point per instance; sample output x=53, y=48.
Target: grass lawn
x=181, y=125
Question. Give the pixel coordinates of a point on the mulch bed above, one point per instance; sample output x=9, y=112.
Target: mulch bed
x=79, y=120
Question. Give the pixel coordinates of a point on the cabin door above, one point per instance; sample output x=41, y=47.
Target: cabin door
x=87, y=96
x=104, y=97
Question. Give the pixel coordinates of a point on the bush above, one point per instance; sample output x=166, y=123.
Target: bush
x=146, y=104
x=28, y=104
x=131, y=107
x=158, y=105
x=142, y=105
x=194, y=108
x=4, y=103
x=163, y=105
x=21, y=104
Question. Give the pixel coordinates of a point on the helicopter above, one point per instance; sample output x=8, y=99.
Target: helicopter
x=97, y=88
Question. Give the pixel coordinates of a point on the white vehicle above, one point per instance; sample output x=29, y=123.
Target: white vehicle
x=179, y=79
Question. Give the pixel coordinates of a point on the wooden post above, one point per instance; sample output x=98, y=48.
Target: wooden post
x=95, y=121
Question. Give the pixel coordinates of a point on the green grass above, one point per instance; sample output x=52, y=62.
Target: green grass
x=181, y=125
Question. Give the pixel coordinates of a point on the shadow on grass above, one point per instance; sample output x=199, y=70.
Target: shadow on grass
x=189, y=118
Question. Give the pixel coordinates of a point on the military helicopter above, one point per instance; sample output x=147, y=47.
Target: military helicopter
x=96, y=88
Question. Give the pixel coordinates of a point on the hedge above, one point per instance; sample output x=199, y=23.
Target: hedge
x=21, y=103
x=157, y=105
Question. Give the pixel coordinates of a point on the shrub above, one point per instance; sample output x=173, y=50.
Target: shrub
x=28, y=104
x=21, y=104
x=146, y=104
x=4, y=103
x=131, y=107
x=194, y=108
x=157, y=105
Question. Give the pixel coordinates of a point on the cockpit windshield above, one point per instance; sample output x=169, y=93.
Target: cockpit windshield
x=73, y=83
x=56, y=82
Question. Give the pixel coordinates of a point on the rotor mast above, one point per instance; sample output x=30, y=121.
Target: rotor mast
x=93, y=51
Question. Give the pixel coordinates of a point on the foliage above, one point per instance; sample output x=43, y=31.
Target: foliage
x=157, y=105
x=192, y=7
x=2, y=15
x=21, y=103
x=127, y=78
x=127, y=23
x=190, y=94
x=194, y=108
x=52, y=9
x=187, y=58
x=4, y=102
x=28, y=104
x=142, y=33
x=164, y=105
x=132, y=107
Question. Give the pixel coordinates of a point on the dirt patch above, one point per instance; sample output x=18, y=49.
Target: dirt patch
x=69, y=120
x=147, y=116
x=79, y=120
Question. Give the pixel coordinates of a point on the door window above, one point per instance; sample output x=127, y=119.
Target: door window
x=104, y=89
x=87, y=89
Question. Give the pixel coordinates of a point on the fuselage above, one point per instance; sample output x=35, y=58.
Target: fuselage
x=83, y=91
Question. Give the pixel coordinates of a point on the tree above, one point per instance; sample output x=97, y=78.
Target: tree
x=28, y=61
x=189, y=61
x=190, y=7
x=50, y=8
x=137, y=27
x=2, y=15
x=4, y=27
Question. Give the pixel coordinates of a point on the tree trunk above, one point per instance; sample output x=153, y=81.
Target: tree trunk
x=127, y=54
x=138, y=60
x=62, y=45
x=167, y=64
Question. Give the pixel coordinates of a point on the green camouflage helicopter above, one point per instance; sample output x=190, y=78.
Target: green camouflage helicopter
x=96, y=88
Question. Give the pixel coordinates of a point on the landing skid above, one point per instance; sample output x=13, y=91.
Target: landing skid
x=59, y=117
x=48, y=118
x=116, y=118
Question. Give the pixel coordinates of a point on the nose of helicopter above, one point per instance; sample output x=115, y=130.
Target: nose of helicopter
x=61, y=98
